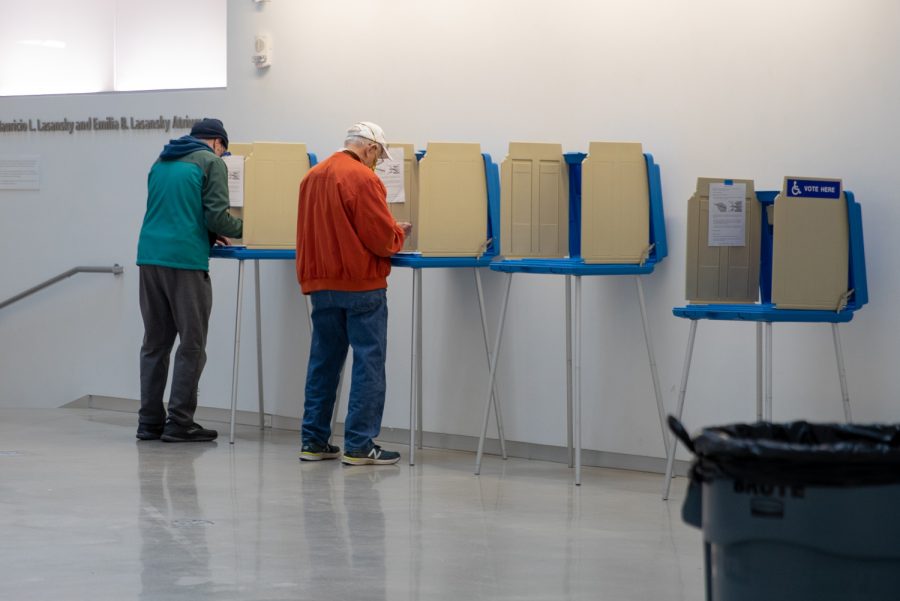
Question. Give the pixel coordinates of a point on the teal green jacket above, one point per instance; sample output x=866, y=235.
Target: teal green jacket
x=187, y=205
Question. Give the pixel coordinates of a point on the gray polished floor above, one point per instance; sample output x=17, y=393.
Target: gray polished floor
x=87, y=512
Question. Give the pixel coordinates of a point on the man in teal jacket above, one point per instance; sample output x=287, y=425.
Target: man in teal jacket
x=187, y=211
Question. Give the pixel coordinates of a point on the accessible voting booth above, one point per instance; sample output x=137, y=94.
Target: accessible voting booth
x=811, y=269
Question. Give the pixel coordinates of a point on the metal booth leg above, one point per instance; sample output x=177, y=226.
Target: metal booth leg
x=570, y=450
x=576, y=413
x=673, y=441
x=842, y=374
x=414, y=367
x=259, y=359
x=419, y=411
x=308, y=313
x=237, y=347
x=759, y=371
x=337, y=397
x=495, y=396
x=767, y=409
x=493, y=374
x=654, y=373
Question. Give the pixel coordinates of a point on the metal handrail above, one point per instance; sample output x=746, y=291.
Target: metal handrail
x=115, y=270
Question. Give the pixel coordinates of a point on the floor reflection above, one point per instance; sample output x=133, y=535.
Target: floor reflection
x=344, y=525
x=174, y=552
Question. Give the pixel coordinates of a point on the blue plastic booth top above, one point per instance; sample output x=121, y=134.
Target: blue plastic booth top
x=417, y=261
x=242, y=253
x=574, y=264
x=768, y=312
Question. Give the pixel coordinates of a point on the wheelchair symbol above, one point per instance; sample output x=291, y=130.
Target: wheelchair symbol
x=795, y=189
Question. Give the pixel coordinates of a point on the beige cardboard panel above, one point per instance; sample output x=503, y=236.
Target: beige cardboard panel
x=452, y=200
x=534, y=205
x=409, y=210
x=721, y=274
x=520, y=192
x=553, y=208
x=273, y=172
x=240, y=148
x=244, y=150
x=615, y=204
x=810, y=252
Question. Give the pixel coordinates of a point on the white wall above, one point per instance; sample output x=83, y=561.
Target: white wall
x=711, y=88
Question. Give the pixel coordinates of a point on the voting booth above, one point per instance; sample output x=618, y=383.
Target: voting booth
x=612, y=223
x=811, y=270
x=263, y=186
x=451, y=194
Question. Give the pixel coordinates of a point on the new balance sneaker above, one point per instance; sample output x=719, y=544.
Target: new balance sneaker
x=374, y=456
x=313, y=451
x=149, y=431
x=194, y=433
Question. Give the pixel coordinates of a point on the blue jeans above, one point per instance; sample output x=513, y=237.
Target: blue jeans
x=357, y=319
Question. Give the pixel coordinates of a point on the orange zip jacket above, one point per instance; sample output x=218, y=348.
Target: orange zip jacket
x=345, y=232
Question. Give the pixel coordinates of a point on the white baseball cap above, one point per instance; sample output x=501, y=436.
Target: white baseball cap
x=371, y=131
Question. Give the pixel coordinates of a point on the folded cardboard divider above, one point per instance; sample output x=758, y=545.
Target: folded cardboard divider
x=272, y=175
x=615, y=204
x=722, y=274
x=453, y=201
x=810, y=249
x=534, y=195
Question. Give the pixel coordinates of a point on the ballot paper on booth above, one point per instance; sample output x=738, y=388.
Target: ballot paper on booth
x=391, y=172
x=235, y=165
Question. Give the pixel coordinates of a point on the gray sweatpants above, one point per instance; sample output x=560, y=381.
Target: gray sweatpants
x=173, y=302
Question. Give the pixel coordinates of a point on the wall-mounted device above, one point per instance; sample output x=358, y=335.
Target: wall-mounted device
x=262, y=51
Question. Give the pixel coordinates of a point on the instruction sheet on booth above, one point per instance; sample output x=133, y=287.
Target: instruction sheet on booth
x=391, y=173
x=727, y=214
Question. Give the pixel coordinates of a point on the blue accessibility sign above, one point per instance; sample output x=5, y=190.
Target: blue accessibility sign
x=813, y=188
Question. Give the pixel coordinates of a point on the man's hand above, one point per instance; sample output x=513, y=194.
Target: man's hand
x=222, y=241
x=405, y=226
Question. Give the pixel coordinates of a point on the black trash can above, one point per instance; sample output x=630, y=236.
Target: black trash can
x=797, y=511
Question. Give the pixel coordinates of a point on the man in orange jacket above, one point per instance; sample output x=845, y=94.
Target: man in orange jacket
x=345, y=237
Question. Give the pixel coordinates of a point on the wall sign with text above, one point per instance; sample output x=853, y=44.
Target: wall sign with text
x=90, y=123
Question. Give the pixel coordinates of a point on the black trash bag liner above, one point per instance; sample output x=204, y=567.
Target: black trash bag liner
x=795, y=453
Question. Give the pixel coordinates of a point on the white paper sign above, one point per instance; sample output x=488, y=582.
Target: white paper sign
x=235, y=165
x=20, y=172
x=391, y=173
x=727, y=214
